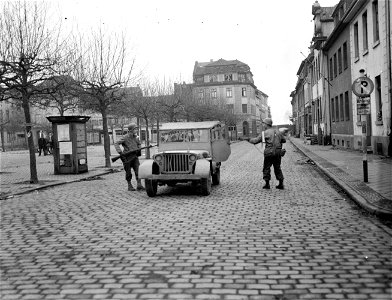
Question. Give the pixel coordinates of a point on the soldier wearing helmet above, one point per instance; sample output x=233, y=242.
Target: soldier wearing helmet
x=130, y=142
x=273, y=140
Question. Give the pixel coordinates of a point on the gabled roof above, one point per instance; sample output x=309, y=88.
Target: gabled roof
x=188, y=125
x=220, y=66
x=326, y=13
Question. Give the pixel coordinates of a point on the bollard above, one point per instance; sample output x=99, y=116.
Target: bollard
x=364, y=159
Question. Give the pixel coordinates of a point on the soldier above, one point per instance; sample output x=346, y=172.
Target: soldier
x=130, y=142
x=273, y=140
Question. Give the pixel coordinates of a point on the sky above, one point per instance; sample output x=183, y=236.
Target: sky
x=167, y=37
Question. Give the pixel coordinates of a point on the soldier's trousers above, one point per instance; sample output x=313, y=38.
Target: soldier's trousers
x=130, y=164
x=272, y=161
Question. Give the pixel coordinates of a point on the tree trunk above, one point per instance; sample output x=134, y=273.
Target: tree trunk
x=2, y=138
x=106, y=139
x=147, y=140
x=30, y=141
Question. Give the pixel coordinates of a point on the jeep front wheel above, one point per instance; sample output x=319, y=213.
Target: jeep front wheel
x=206, y=185
x=151, y=187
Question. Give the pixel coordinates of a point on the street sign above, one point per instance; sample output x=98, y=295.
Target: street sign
x=362, y=86
x=363, y=105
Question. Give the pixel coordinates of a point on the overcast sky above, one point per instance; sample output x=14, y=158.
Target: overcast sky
x=168, y=36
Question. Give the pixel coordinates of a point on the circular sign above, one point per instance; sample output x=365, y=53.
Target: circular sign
x=362, y=86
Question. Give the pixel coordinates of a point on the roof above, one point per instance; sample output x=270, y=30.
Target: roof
x=188, y=125
x=219, y=67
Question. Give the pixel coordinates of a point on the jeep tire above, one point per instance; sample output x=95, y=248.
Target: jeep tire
x=151, y=187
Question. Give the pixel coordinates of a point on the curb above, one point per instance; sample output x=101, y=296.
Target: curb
x=357, y=198
x=27, y=191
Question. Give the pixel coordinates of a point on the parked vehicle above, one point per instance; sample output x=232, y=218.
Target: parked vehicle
x=187, y=152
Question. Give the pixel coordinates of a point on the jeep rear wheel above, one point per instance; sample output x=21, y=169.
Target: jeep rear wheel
x=151, y=187
x=206, y=185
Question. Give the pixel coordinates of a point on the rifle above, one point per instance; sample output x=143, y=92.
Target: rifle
x=129, y=152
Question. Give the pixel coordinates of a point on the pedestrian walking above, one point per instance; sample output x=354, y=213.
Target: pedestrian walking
x=130, y=142
x=42, y=143
x=273, y=140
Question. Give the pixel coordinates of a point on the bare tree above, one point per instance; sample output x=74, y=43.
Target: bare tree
x=144, y=106
x=170, y=103
x=103, y=72
x=29, y=52
x=64, y=97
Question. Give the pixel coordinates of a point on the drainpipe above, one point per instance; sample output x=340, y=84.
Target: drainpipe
x=388, y=42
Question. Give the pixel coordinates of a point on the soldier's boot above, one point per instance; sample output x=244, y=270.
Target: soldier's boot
x=139, y=186
x=130, y=186
x=280, y=185
x=267, y=185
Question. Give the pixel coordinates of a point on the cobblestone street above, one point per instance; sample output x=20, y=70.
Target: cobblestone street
x=95, y=240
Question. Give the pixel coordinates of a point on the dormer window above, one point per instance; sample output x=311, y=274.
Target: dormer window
x=241, y=77
x=213, y=78
x=228, y=77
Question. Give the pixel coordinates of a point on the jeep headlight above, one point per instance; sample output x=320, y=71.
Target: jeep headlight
x=192, y=157
x=158, y=158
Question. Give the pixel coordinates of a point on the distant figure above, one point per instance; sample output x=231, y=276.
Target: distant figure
x=42, y=143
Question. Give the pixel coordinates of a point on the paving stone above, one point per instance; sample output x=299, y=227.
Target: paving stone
x=95, y=240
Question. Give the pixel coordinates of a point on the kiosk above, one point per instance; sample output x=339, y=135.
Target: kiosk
x=69, y=144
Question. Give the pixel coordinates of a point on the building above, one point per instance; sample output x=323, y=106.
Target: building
x=370, y=32
x=337, y=51
x=231, y=81
x=352, y=37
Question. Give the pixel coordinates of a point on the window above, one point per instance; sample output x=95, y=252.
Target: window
x=337, y=109
x=377, y=91
x=346, y=106
x=345, y=56
x=365, y=31
x=243, y=92
x=335, y=65
x=201, y=94
x=341, y=108
x=229, y=93
x=340, y=60
x=330, y=69
x=230, y=108
x=228, y=77
x=333, y=109
x=320, y=110
x=241, y=77
x=213, y=78
x=244, y=108
x=376, y=30
x=356, y=41
x=213, y=93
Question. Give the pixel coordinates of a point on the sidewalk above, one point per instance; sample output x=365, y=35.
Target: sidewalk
x=15, y=170
x=345, y=168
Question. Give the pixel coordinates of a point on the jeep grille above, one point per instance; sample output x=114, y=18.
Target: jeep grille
x=176, y=163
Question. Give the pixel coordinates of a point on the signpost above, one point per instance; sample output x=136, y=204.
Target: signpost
x=362, y=87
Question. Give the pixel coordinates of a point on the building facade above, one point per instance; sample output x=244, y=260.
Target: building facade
x=352, y=37
x=231, y=81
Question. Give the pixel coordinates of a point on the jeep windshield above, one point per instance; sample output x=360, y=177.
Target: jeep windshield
x=184, y=135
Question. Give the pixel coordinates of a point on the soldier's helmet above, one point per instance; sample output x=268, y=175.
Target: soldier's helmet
x=132, y=126
x=267, y=121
